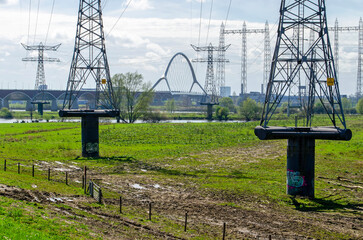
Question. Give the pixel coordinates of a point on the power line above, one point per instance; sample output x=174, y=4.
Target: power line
x=210, y=17
x=30, y=7
x=50, y=20
x=229, y=8
x=200, y=21
x=36, y=23
x=128, y=4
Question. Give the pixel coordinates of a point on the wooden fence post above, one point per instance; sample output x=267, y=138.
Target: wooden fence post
x=150, y=211
x=100, y=196
x=224, y=231
x=33, y=170
x=18, y=168
x=67, y=178
x=121, y=205
x=186, y=222
x=5, y=165
x=48, y=174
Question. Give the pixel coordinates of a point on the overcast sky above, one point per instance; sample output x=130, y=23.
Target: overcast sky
x=151, y=32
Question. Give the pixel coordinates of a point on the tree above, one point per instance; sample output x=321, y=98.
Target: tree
x=347, y=105
x=249, y=109
x=170, y=105
x=5, y=113
x=132, y=96
x=222, y=113
x=360, y=106
x=227, y=102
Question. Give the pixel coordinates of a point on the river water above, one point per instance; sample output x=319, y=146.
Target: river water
x=2, y=120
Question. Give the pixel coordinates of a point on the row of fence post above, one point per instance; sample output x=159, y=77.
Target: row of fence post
x=33, y=171
x=91, y=192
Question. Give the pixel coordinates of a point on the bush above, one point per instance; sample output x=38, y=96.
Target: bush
x=5, y=113
x=250, y=110
x=222, y=113
x=360, y=106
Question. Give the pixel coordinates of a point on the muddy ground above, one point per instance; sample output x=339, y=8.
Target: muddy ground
x=249, y=218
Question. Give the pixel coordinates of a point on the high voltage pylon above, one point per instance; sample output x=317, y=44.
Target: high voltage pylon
x=40, y=83
x=90, y=62
x=293, y=59
x=210, y=81
x=89, y=57
x=299, y=64
x=360, y=60
x=221, y=65
x=267, y=53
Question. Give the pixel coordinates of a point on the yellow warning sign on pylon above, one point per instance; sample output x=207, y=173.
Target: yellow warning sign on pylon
x=330, y=82
x=104, y=81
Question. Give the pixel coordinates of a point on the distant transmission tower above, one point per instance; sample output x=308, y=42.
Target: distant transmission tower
x=294, y=58
x=210, y=81
x=89, y=57
x=221, y=63
x=267, y=57
x=267, y=53
x=40, y=83
x=360, y=60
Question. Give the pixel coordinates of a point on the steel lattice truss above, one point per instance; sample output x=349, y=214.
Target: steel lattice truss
x=89, y=57
x=40, y=79
x=302, y=67
x=210, y=81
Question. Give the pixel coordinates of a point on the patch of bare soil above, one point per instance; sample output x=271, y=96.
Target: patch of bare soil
x=106, y=225
x=248, y=218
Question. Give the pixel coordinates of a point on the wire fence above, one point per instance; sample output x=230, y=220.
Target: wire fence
x=78, y=178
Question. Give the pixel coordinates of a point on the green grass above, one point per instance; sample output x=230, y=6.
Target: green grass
x=27, y=220
x=207, y=156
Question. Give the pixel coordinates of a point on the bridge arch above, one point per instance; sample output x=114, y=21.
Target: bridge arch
x=179, y=76
x=17, y=95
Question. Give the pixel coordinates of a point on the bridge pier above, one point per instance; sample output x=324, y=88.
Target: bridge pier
x=6, y=103
x=29, y=106
x=1, y=103
x=54, y=106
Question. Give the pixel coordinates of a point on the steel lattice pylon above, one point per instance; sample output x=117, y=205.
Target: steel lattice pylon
x=89, y=57
x=360, y=60
x=267, y=57
x=40, y=79
x=295, y=60
x=221, y=64
x=210, y=83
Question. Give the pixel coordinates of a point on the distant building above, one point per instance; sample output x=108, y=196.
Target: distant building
x=43, y=87
x=225, y=91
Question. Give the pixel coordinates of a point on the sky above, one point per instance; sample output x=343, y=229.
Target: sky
x=150, y=32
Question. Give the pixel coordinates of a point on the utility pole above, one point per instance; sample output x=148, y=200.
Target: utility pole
x=360, y=60
x=267, y=53
x=40, y=83
x=295, y=60
x=210, y=81
x=221, y=64
x=89, y=62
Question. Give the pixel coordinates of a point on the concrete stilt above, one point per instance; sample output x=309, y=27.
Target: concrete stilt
x=300, y=166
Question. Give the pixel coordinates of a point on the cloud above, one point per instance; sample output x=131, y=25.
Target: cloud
x=138, y=5
x=8, y=2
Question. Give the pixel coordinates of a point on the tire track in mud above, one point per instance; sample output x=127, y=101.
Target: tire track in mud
x=75, y=202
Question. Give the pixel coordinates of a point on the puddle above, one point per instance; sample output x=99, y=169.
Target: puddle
x=137, y=186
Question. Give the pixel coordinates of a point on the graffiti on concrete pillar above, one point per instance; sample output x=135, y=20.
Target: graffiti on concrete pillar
x=295, y=180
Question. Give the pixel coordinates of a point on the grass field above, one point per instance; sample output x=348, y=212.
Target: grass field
x=220, y=165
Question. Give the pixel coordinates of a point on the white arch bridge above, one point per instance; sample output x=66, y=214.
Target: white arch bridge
x=179, y=79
